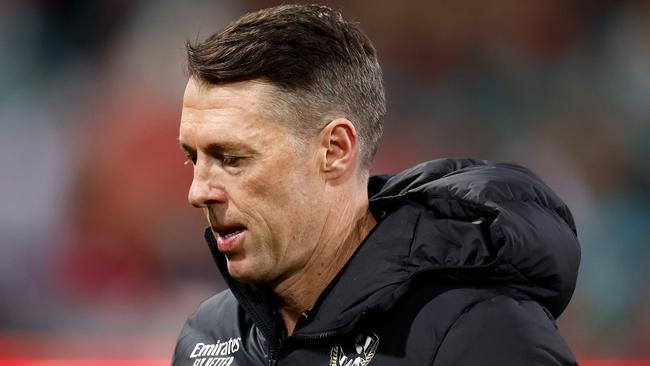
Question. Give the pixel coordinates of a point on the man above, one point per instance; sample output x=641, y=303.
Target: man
x=452, y=262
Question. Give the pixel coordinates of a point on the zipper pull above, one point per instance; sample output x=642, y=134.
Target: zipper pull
x=273, y=356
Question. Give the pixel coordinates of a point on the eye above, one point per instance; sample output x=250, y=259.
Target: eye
x=231, y=161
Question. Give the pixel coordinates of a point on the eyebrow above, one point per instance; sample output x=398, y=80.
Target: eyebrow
x=218, y=148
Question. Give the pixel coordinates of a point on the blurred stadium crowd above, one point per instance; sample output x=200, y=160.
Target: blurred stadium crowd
x=101, y=255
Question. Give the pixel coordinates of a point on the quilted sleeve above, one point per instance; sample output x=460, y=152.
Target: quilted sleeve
x=503, y=331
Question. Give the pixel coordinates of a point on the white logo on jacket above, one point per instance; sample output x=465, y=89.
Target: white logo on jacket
x=215, y=354
x=360, y=354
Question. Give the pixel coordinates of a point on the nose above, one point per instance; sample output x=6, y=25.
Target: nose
x=205, y=192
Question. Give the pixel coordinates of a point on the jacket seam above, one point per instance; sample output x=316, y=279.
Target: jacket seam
x=465, y=310
x=481, y=204
x=416, y=226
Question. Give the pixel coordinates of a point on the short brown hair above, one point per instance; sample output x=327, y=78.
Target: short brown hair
x=323, y=66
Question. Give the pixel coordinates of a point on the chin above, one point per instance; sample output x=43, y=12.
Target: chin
x=245, y=273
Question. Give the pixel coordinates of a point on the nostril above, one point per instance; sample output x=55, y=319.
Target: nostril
x=195, y=203
x=197, y=200
x=203, y=196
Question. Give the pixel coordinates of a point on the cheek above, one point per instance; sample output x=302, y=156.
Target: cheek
x=282, y=201
x=281, y=194
x=280, y=180
x=265, y=197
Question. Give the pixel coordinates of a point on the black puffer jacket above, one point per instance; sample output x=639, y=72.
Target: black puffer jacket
x=469, y=264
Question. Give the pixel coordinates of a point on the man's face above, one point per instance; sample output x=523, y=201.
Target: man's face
x=259, y=188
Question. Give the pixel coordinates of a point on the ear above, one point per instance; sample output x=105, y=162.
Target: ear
x=340, y=147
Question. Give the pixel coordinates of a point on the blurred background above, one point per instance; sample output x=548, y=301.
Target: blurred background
x=101, y=256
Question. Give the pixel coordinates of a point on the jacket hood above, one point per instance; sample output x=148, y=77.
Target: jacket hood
x=455, y=221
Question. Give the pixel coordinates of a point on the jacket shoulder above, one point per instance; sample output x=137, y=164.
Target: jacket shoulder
x=502, y=330
x=207, y=322
x=487, y=223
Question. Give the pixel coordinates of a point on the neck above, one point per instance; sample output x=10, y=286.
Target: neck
x=299, y=292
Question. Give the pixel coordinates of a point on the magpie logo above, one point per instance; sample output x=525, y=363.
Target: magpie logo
x=359, y=354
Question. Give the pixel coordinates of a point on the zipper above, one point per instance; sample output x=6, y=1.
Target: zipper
x=276, y=351
x=273, y=358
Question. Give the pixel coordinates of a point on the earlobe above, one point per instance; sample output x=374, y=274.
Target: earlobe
x=340, y=143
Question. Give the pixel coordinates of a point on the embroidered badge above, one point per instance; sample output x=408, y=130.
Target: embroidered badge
x=359, y=354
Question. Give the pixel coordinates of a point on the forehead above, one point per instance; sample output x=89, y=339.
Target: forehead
x=226, y=110
x=245, y=95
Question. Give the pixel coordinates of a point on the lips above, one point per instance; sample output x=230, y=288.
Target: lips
x=229, y=237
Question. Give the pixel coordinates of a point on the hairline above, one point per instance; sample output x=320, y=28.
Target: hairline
x=281, y=109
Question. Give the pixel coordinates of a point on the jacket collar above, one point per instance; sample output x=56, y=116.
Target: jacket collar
x=459, y=220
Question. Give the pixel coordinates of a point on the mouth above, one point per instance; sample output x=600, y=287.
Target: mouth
x=228, y=231
x=229, y=237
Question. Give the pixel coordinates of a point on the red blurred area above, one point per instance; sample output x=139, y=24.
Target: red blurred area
x=35, y=346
